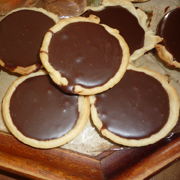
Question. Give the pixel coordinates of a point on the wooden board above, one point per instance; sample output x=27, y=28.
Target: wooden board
x=134, y=163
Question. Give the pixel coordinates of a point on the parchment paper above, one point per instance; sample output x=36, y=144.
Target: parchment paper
x=89, y=141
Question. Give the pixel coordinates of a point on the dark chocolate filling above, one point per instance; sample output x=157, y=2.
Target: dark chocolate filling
x=120, y=18
x=21, y=36
x=86, y=54
x=41, y=111
x=169, y=30
x=135, y=108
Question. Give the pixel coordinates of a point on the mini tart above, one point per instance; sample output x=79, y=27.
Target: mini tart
x=129, y=21
x=21, y=36
x=84, y=57
x=140, y=110
x=169, y=27
x=37, y=113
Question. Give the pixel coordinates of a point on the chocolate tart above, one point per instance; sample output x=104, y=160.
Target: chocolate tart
x=140, y=110
x=169, y=27
x=21, y=36
x=129, y=21
x=84, y=57
x=38, y=114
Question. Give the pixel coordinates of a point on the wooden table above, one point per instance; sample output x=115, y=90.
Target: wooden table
x=58, y=163
x=171, y=172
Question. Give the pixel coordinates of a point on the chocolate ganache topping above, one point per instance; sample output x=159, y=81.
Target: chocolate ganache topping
x=21, y=36
x=120, y=18
x=86, y=54
x=135, y=108
x=169, y=30
x=41, y=111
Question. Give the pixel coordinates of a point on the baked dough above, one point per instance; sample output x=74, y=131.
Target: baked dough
x=21, y=34
x=82, y=58
x=134, y=116
x=168, y=29
x=149, y=38
x=44, y=118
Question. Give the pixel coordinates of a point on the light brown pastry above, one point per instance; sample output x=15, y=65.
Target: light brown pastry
x=140, y=110
x=131, y=23
x=38, y=114
x=169, y=49
x=84, y=57
x=21, y=36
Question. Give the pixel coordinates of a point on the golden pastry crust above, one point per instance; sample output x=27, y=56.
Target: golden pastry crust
x=83, y=108
x=57, y=77
x=27, y=70
x=172, y=120
x=21, y=70
x=167, y=57
x=150, y=39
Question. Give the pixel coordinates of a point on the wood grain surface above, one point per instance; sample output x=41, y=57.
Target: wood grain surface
x=172, y=172
x=58, y=163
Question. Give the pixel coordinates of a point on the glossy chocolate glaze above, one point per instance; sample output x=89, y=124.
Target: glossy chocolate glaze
x=21, y=35
x=137, y=107
x=86, y=54
x=120, y=18
x=41, y=111
x=169, y=30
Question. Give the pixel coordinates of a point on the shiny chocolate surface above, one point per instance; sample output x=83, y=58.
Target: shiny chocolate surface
x=21, y=35
x=169, y=30
x=41, y=111
x=121, y=19
x=86, y=54
x=135, y=108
